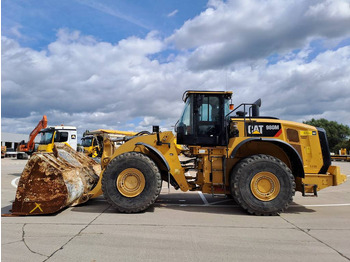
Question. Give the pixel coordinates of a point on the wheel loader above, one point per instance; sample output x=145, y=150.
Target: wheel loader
x=260, y=161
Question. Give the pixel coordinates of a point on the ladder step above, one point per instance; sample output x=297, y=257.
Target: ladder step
x=218, y=187
x=188, y=165
x=185, y=161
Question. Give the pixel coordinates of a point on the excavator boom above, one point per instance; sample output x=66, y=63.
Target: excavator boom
x=29, y=146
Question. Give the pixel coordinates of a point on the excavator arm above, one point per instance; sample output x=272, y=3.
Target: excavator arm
x=29, y=146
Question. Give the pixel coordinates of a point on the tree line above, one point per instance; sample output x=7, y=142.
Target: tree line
x=338, y=135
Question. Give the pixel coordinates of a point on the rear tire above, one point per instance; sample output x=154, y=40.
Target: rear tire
x=262, y=185
x=131, y=182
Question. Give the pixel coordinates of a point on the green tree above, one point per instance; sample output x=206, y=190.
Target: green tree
x=337, y=134
x=343, y=144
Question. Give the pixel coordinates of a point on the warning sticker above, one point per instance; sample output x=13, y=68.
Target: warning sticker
x=308, y=133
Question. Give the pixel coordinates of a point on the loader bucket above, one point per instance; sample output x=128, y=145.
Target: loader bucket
x=53, y=181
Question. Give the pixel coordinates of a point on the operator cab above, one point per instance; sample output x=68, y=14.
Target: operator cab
x=203, y=121
x=88, y=141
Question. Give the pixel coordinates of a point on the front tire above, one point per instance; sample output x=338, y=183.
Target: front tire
x=262, y=185
x=131, y=182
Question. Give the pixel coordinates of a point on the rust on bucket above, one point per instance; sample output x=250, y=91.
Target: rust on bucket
x=53, y=181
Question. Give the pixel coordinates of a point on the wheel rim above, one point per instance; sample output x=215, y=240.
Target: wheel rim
x=265, y=186
x=131, y=182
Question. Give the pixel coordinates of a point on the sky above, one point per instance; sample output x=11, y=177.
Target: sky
x=124, y=64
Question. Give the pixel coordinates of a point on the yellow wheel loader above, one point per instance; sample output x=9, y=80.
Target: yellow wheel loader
x=259, y=161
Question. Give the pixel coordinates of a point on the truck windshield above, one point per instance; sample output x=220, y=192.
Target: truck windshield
x=46, y=137
x=86, y=142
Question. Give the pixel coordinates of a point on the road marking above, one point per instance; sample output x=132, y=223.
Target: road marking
x=322, y=205
x=206, y=203
x=14, y=182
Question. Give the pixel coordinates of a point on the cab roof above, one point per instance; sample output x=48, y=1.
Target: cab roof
x=53, y=128
x=189, y=92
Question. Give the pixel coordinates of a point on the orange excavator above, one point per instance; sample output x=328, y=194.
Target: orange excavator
x=28, y=148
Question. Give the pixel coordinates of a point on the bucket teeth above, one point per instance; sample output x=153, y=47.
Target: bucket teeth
x=53, y=181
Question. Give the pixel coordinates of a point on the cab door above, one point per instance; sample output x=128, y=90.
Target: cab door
x=203, y=121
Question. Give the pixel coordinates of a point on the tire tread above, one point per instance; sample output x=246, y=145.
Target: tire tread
x=110, y=169
x=238, y=172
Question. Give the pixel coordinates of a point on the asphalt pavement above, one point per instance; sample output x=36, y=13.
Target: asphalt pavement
x=180, y=226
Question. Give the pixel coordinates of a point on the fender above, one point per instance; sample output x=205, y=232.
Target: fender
x=295, y=159
x=156, y=152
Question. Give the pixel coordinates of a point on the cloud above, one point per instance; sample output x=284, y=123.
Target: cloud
x=299, y=90
x=82, y=81
x=231, y=31
x=173, y=13
x=15, y=31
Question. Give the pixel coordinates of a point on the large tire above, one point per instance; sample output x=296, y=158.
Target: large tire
x=131, y=182
x=262, y=185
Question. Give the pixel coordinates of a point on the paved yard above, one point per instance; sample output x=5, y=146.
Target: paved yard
x=179, y=227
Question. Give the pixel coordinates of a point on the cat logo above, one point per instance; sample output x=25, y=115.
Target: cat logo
x=255, y=129
x=263, y=129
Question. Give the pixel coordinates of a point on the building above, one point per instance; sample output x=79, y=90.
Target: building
x=11, y=140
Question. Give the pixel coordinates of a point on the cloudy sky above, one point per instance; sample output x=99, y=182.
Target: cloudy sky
x=122, y=64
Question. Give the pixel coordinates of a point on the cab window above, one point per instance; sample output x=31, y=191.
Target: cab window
x=61, y=137
x=46, y=138
x=186, y=121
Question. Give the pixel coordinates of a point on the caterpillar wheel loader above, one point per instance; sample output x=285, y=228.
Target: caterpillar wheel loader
x=259, y=161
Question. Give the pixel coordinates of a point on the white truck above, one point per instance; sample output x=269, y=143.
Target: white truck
x=57, y=134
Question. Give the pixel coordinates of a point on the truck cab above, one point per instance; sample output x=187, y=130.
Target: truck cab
x=57, y=134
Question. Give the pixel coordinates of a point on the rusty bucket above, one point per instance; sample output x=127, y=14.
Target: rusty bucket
x=53, y=181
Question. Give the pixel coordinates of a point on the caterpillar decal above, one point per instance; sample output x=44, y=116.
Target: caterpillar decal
x=263, y=129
